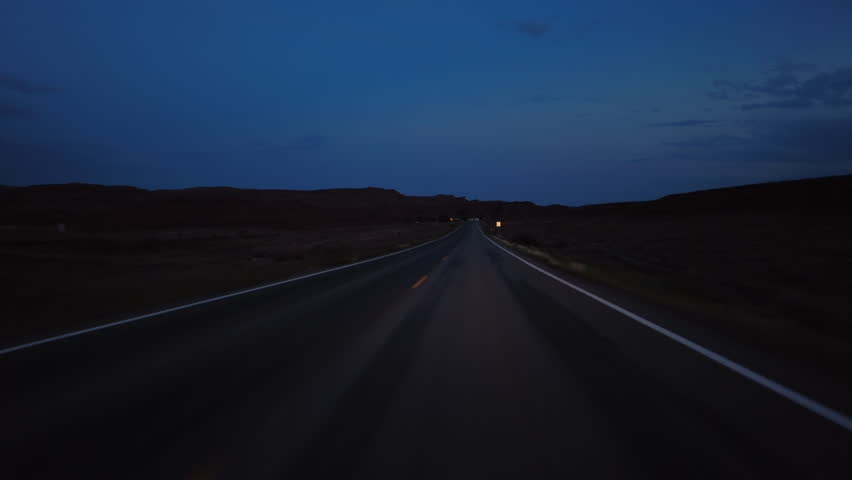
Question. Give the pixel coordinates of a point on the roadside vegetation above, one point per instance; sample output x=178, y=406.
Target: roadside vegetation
x=778, y=280
x=59, y=281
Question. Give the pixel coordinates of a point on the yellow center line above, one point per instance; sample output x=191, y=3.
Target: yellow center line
x=422, y=279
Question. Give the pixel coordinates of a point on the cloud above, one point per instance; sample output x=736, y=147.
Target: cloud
x=262, y=150
x=833, y=89
x=308, y=142
x=789, y=67
x=784, y=89
x=684, y=123
x=22, y=86
x=542, y=98
x=11, y=110
x=718, y=95
x=818, y=139
x=715, y=141
x=792, y=103
x=817, y=142
x=599, y=99
x=646, y=109
x=304, y=143
x=532, y=28
x=28, y=162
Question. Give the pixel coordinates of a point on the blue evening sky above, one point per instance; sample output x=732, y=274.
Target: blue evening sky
x=567, y=102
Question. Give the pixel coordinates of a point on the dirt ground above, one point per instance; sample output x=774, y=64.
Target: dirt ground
x=771, y=278
x=54, y=282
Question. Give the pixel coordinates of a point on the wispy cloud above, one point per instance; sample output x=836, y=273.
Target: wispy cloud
x=816, y=141
x=532, y=28
x=543, y=98
x=787, y=66
x=28, y=162
x=20, y=85
x=782, y=88
x=600, y=99
x=12, y=110
x=792, y=103
x=833, y=89
x=262, y=149
x=718, y=95
x=307, y=142
x=684, y=123
x=715, y=141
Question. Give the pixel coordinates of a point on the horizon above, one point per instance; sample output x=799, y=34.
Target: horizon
x=575, y=104
x=465, y=197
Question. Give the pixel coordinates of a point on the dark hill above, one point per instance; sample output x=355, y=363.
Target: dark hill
x=813, y=196
x=98, y=207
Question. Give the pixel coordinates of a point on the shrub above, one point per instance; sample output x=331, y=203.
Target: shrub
x=525, y=239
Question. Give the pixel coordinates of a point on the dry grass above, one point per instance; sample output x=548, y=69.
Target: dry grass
x=54, y=282
x=779, y=281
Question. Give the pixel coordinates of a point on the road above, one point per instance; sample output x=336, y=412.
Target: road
x=450, y=360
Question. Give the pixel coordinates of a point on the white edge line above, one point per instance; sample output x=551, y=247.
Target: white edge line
x=812, y=405
x=208, y=300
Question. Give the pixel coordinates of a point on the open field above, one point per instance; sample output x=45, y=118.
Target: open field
x=53, y=282
x=772, y=278
x=770, y=264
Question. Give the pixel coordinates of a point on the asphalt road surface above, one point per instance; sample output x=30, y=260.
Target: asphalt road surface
x=450, y=360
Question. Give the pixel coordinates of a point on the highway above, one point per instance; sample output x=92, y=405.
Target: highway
x=450, y=360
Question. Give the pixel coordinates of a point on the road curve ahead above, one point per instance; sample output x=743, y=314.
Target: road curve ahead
x=452, y=360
